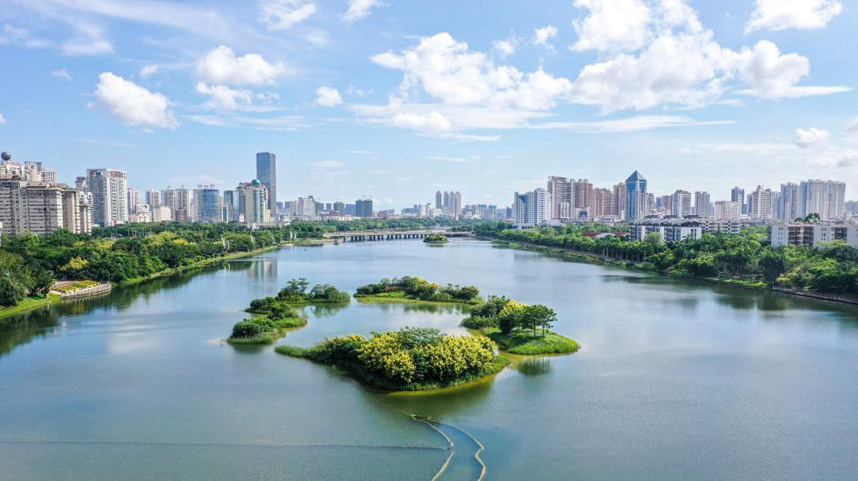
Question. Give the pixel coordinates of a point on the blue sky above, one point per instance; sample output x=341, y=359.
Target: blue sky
x=397, y=99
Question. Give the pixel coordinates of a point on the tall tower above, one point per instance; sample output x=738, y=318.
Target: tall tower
x=266, y=172
x=635, y=196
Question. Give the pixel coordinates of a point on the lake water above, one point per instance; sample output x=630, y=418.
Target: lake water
x=675, y=380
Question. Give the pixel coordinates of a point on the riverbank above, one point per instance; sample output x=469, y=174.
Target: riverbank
x=588, y=258
x=401, y=298
x=197, y=265
x=28, y=304
x=525, y=343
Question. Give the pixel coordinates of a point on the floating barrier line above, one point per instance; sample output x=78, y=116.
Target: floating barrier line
x=248, y=445
x=451, y=446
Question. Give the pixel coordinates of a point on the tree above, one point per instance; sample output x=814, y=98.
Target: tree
x=295, y=289
x=653, y=238
x=538, y=316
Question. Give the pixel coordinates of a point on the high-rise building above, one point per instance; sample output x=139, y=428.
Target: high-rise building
x=445, y=202
x=789, y=202
x=760, y=203
x=439, y=200
x=208, y=204
x=266, y=172
x=182, y=205
x=254, y=202
x=109, y=194
x=582, y=192
x=560, y=190
x=702, y=204
x=363, y=208
x=681, y=204
x=531, y=209
x=153, y=198
x=737, y=195
x=456, y=203
x=603, y=203
x=619, y=207
x=132, y=201
x=725, y=210
x=823, y=197
x=340, y=207
x=228, y=202
x=635, y=196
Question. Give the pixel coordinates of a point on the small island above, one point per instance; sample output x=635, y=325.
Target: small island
x=410, y=359
x=519, y=328
x=415, y=290
x=436, y=239
x=273, y=316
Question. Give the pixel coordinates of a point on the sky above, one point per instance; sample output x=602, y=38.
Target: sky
x=395, y=99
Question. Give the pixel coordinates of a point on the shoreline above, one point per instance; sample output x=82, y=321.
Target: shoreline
x=588, y=258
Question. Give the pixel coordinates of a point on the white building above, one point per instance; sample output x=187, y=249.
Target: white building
x=810, y=235
x=109, y=194
x=532, y=208
x=668, y=230
x=725, y=210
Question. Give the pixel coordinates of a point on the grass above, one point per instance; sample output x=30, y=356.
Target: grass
x=399, y=297
x=526, y=344
x=75, y=286
x=28, y=304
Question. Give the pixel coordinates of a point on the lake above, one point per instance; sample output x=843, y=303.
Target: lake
x=676, y=380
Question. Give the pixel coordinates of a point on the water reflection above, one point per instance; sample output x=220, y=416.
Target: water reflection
x=536, y=366
x=262, y=270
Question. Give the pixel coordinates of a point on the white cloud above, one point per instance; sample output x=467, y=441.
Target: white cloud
x=11, y=35
x=132, y=104
x=448, y=71
x=289, y=123
x=455, y=160
x=852, y=126
x=89, y=41
x=612, y=25
x=541, y=36
x=223, y=97
x=799, y=14
x=2, y=119
x=62, y=73
x=149, y=70
x=847, y=159
x=222, y=67
x=631, y=124
x=359, y=9
x=759, y=148
x=811, y=138
x=678, y=62
x=771, y=74
x=283, y=14
x=504, y=48
x=328, y=97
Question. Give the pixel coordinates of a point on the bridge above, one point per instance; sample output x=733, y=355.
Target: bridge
x=383, y=235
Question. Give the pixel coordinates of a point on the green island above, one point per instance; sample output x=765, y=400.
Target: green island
x=518, y=328
x=408, y=289
x=410, y=359
x=436, y=239
x=274, y=316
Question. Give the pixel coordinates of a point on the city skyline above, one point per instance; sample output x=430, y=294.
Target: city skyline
x=341, y=96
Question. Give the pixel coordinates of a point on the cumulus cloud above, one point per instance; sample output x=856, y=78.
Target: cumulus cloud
x=2, y=119
x=614, y=25
x=62, y=73
x=811, y=138
x=667, y=57
x=225, y=98
x=222, y=67
x=132, y=104
x=847, y=159
x=359, y=9
x=283, y=14
x=149, y=70
x=328, y=97
x=852, y=126
x=542, y=36
x=799, y=14
x=451, y=73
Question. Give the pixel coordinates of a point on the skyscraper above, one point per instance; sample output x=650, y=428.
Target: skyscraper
x=760, y=203
x=702, y=204
x=560, y=189
x=737, y=195
x=582, y=193
x=635, y=196
x=208, y=204
x=789, y=202
x=681, y=203
x=363, y=208
x=531, y=209
x=255, y=203
x=109, y=195
x=153, y=198
x=266, y=172
x=823, y=197
x=439, y=200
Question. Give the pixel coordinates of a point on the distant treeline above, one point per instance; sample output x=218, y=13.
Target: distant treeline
x=746, y=257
